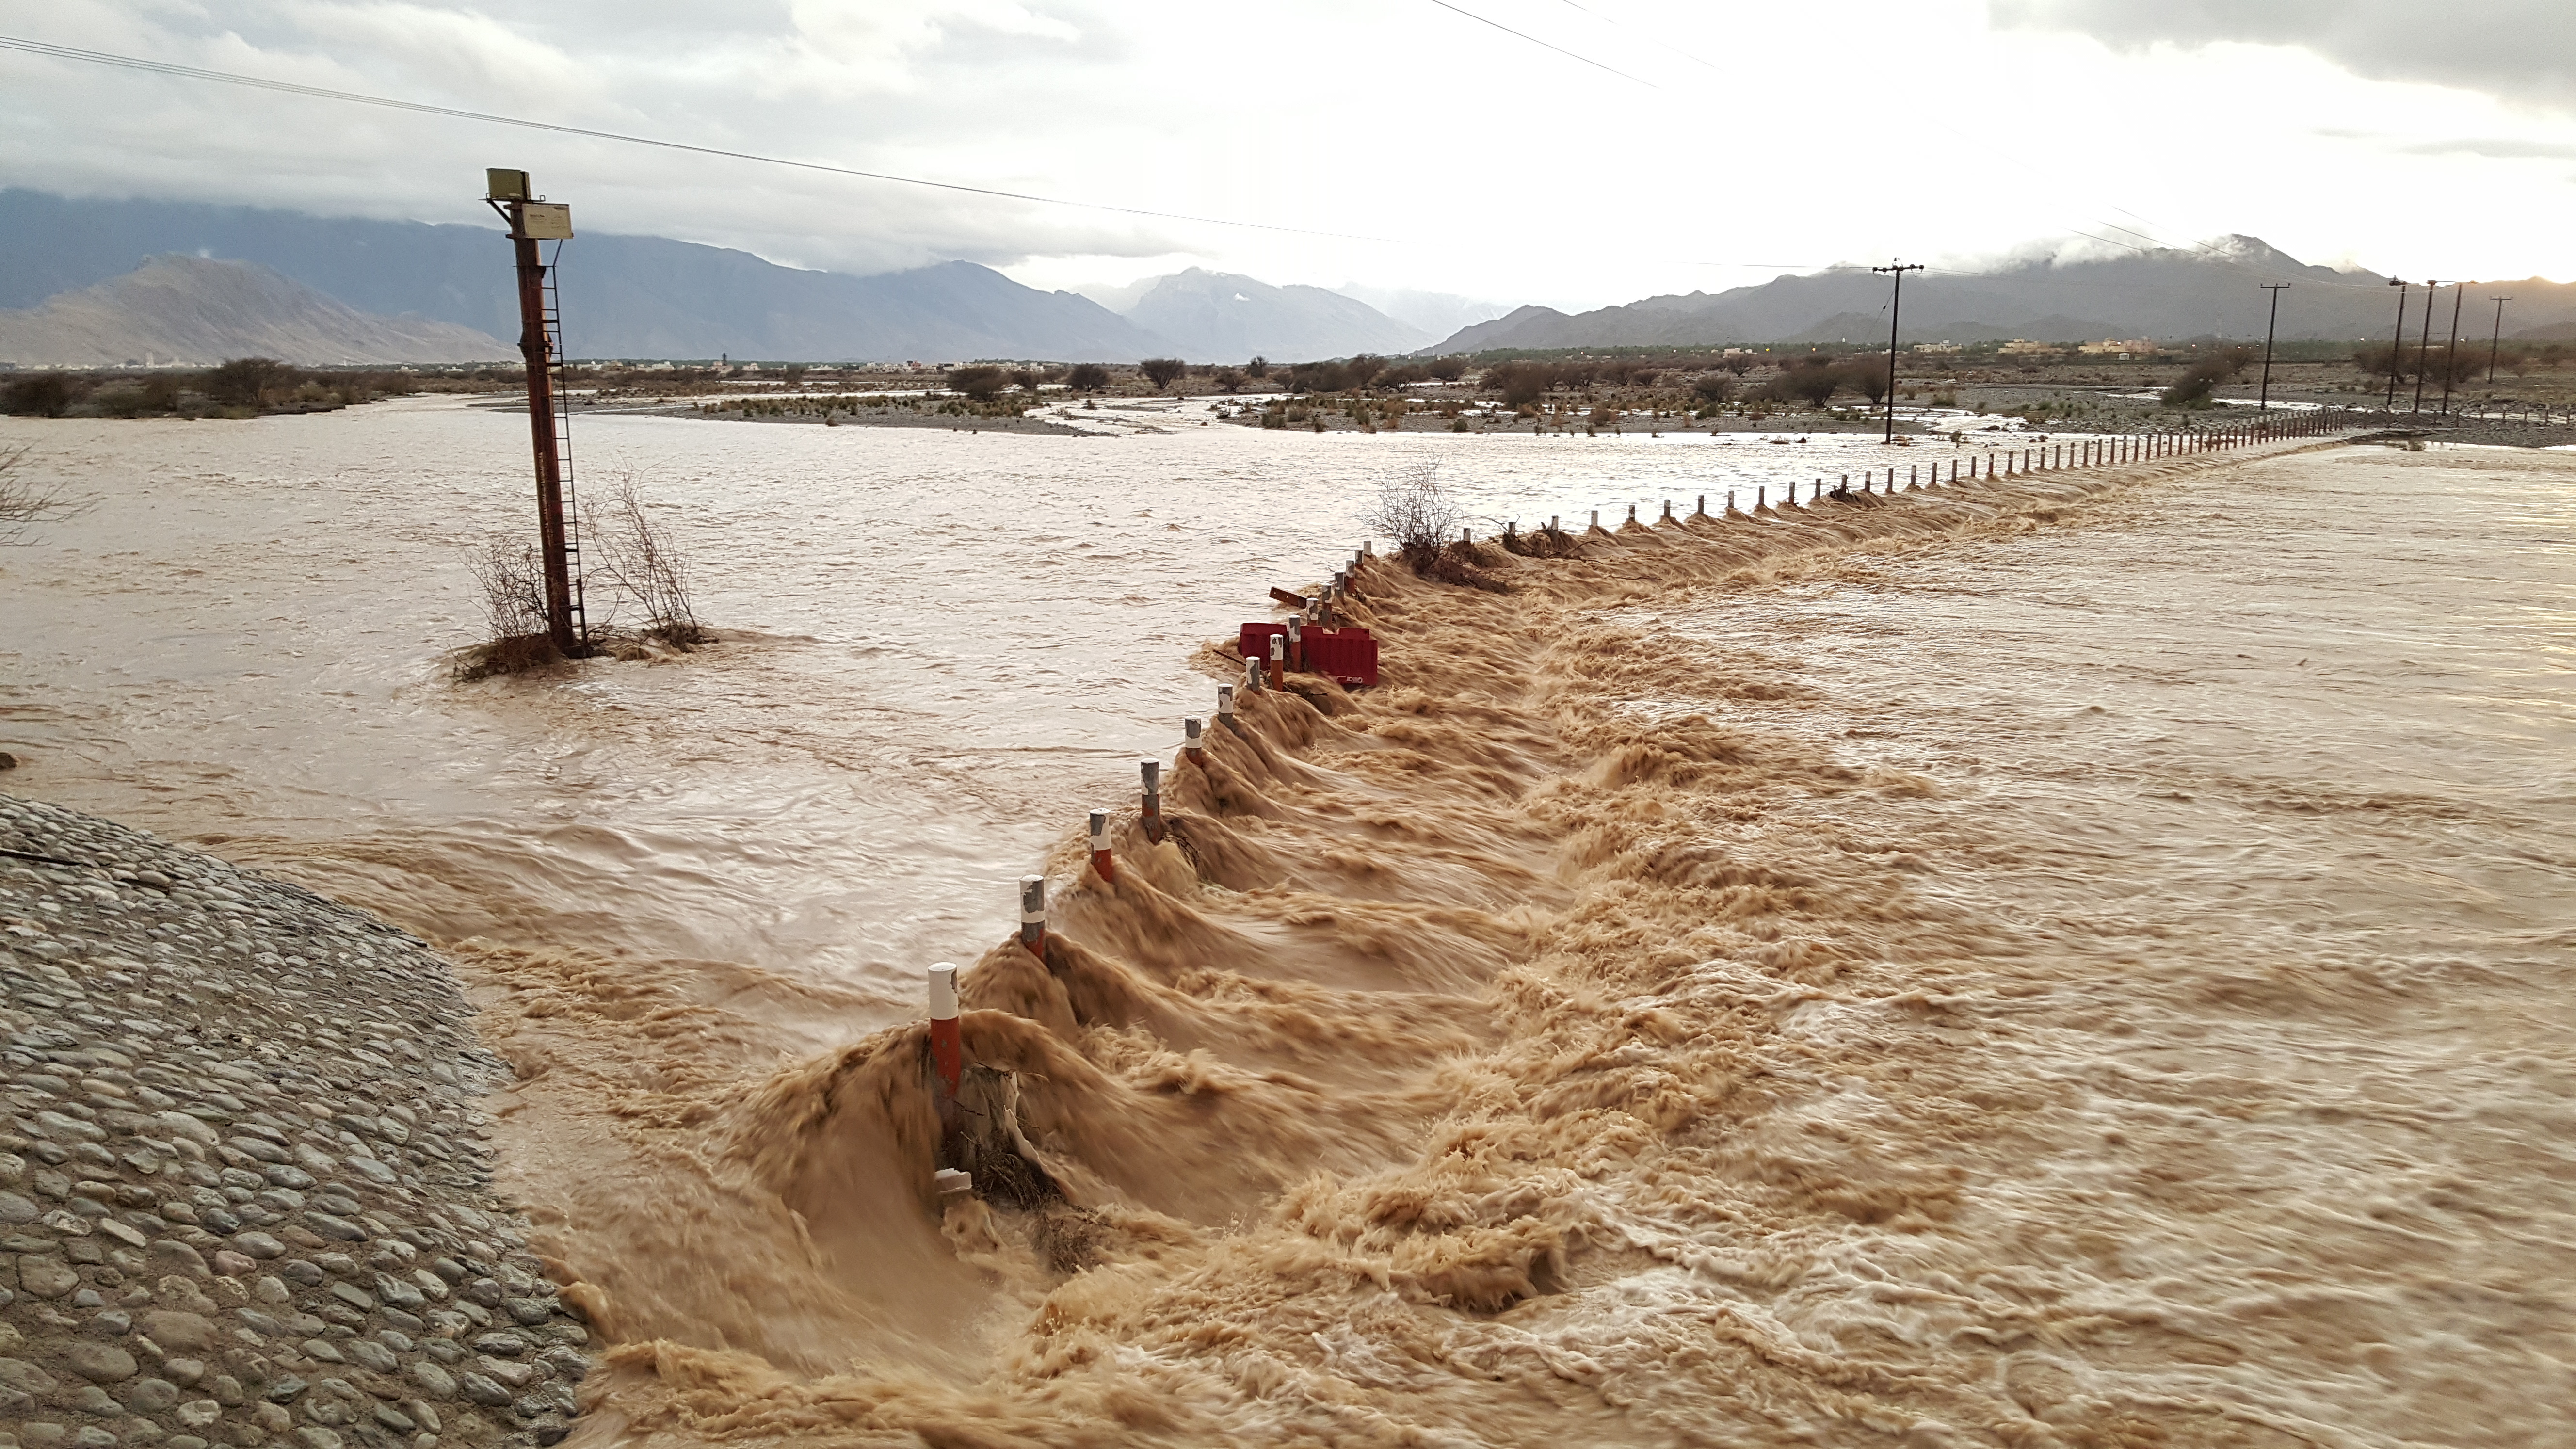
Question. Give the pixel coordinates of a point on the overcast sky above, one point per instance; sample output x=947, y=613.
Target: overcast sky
x=1657, y=147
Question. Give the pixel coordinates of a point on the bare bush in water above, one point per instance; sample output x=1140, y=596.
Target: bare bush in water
x=513, y=578
x=24, y=502
x=1416, y=514
x=642, y=560
x=1426, y=524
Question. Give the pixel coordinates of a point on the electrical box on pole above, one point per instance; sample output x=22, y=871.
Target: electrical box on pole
x=549, y=427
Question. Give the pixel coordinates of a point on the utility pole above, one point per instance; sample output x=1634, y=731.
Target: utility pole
x=532, y=221
x=2424, y=341
x=2397, y=343
x=1895, y=303
x=2451, y=358
x=2498, y=339
x=2274, y=325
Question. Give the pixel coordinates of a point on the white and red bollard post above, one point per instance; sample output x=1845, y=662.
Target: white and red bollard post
x=1101, y=860
x=1033, y=914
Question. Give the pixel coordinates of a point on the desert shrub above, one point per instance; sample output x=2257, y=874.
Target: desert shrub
x=2199, y=379
x=1604, y=415
x=1645, y=376
x=1520, y=383
x=1161, y=370
x=1228, y=380
x=1404, y=376
x=1320, y=377
x=40, y=395
x=1257, y=367
x=1868, y=378
x=1813, y=382
x=1364, y=368
x=1417, y=514
x=1713, y=387
x=643, y=561
x=1027, y=379
x=1447, y=369
x=513, y=580
x=250, y=382
x=980, y=382
x=1087, y=377
x=24, y=502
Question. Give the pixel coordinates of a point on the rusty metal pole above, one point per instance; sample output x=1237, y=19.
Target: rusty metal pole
x=539, y=352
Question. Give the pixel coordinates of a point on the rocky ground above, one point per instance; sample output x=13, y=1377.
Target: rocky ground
x=244, y=1192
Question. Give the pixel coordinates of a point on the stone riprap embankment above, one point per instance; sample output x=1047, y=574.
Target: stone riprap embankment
x=244, y=1191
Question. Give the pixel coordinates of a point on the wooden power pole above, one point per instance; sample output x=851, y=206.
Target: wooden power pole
x=1895, y=301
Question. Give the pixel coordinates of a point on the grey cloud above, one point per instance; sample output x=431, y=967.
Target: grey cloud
x=961, y=74
x=2520, y=50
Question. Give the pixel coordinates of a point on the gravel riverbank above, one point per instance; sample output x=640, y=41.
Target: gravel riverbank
x=244, y=1191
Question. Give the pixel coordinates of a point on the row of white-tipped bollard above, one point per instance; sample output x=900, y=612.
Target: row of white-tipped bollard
x=947, y=1045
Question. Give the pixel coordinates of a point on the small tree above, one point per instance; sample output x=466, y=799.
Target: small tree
x=1814, y=385
x=1228, y=380
x=2199, y=379
x=1087, y=377
x=1520, y=383
x=980, y=382
x=1448, y=369
x=1161, y=370
x=1713, y=387
x=1364, y=368
x=249, y=382
x=1257, y=367
x=43, y=395
x=1027, y=379
x=1867, y=378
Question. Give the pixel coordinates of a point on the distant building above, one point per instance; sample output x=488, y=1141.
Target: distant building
x=1943, y=346
x=2135, y=347
x=2024, y=347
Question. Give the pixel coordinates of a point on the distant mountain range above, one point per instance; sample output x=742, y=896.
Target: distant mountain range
x=190, y=311
x=1222, y=317
x=623, y=296
x=633, y=296
x=2213, y=290
x=398, y=283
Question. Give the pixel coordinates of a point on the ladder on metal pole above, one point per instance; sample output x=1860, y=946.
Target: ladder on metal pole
x=553, y=322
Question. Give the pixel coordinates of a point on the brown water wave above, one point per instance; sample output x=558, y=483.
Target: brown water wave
x=1930, y=970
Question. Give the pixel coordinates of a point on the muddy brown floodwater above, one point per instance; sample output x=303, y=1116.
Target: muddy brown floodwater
x=2082, y=961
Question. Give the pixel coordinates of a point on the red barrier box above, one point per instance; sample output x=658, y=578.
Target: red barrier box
x=1347, y=655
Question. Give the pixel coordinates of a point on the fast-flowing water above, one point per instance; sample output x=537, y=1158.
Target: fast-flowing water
x=2032, y=965
x=944, y=644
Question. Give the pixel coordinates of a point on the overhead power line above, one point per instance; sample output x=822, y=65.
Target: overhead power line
x=189, y=72
x=1534, y=40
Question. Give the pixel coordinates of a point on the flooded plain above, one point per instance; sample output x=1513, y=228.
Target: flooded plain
x=2075, y=961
